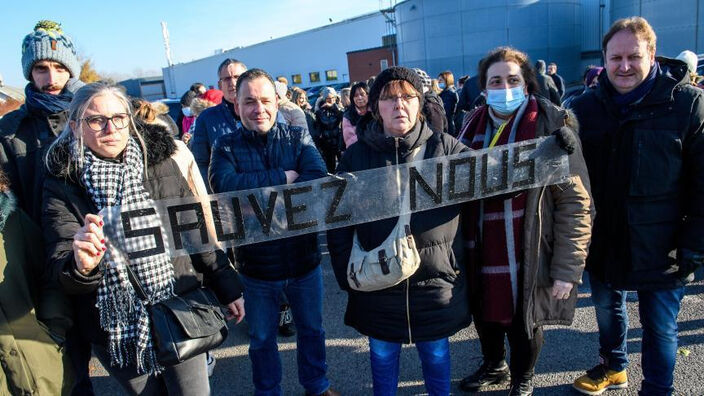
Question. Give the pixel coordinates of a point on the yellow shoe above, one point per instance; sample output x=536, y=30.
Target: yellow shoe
x=599, y=379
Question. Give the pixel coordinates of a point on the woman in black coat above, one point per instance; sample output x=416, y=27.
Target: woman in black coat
x=446, y=82
x=102, y=160
x=432, y=304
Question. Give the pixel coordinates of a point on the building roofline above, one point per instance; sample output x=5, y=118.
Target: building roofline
x=371, y=49
x=344, y=21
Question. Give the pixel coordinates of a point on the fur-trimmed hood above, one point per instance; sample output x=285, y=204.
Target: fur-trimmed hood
x=159, y=142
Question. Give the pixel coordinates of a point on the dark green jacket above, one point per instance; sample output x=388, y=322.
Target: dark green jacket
x=34, y=316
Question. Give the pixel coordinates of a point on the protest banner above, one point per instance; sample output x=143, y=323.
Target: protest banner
x=200, y=224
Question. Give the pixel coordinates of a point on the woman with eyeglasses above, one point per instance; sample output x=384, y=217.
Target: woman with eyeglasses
x=433, y=303
x=100, y=160
x=526, y=251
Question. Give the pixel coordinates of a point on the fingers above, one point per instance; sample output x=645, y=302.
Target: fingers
x=236, y=310
x=94, y=219
x=92, y=238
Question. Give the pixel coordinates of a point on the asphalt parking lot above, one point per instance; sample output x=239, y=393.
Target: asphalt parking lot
x=567, y=353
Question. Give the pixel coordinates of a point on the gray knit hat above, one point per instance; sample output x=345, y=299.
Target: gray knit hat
x=48, y=41
x=424, y=77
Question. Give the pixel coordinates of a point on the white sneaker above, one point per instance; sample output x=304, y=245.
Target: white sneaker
x=210, y=363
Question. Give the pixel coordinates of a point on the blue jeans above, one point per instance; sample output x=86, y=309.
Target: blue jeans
x=262, y=302
x=434, y=358
x=658, y=311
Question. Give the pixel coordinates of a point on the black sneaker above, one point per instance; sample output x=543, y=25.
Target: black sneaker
x=487, y=374
x=523, y=388
x=286, y=326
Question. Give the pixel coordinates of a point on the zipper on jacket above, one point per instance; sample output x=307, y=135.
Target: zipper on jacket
x=529, y=330
x=408, y=282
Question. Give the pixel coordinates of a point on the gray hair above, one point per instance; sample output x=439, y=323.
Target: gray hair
x=540, y=66
x=73, y=140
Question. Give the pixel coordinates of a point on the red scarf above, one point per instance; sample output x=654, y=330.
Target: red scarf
x=498, y=259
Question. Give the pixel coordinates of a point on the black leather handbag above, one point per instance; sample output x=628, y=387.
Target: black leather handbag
x=183, y=326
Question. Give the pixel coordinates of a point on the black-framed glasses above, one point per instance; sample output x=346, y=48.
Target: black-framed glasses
x=98, y=122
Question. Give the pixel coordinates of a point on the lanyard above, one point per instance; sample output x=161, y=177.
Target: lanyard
x=498, y=133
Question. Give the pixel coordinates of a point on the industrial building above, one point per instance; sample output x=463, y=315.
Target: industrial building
x=438, y=35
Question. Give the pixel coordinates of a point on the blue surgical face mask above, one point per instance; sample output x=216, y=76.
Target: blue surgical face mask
x=505, y=101
x=441, y=85
x=186, y=111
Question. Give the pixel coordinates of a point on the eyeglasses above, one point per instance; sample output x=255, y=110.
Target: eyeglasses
x=406, y=98
x=98, y=122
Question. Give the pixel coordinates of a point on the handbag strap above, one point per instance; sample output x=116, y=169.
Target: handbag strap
x=136, y=285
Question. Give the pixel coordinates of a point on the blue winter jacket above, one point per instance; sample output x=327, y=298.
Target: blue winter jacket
x=242, y=161
x=210, y=125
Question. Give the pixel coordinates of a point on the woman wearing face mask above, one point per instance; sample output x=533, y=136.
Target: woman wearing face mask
x=360, y=98
x=446, y=82
x=526, y=251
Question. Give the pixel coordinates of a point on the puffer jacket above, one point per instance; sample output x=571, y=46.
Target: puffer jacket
x=241, y=161
x=434, y=112
x=433, y=303
x=65, y=205
x=293, y=114
x=211, y=124
x=24, y=136
x=328, y=124
x=34, y=314
x=556, y=232
x=647, y=171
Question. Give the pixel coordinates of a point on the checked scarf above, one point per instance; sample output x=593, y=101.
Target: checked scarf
x=499, y=220
x=123, y=315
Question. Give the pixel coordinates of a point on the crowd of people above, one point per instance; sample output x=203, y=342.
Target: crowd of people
x=630, y=213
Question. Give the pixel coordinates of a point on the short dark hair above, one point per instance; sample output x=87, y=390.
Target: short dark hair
x=509, y=54
x=196, y=86
x=552, y=64
x=251, y=74
x=227, y=62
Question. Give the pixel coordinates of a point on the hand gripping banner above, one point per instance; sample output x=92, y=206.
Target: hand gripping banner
x=200, y=224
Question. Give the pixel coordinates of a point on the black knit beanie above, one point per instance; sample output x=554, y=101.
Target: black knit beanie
x=390, y=74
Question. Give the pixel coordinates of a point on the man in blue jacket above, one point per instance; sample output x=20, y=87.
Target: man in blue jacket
x=265, y=153
x=218, y=120
x=642, y=132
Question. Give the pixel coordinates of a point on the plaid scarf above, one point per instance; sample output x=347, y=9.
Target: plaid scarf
x=123, y=315
x=499, y=220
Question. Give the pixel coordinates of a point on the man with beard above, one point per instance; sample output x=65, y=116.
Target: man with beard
x=50, y=64
x=218, y=120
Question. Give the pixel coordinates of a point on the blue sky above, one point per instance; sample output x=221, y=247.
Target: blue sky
x=123, y=38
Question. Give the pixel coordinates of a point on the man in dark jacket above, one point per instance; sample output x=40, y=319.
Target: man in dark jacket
x=547, y=88
x=642, y=136
x=218, y=120
x=50, y=64
x=556, y=78
x=264, y=153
